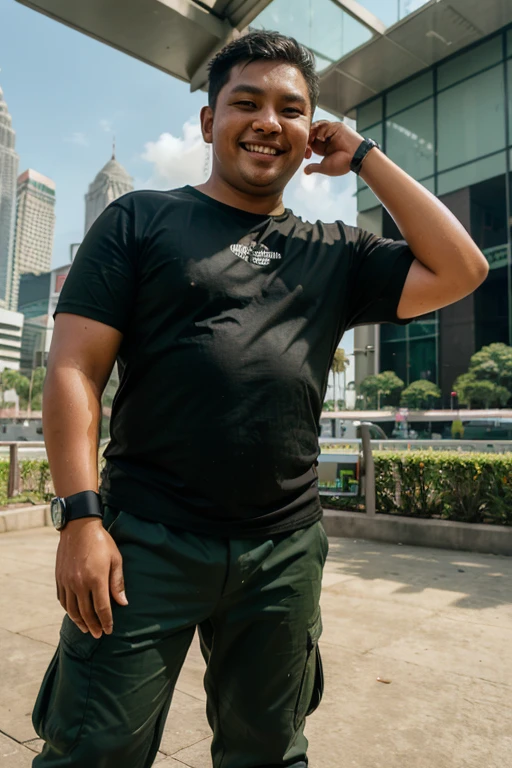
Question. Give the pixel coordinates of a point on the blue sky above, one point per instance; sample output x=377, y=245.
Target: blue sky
x=68, y=94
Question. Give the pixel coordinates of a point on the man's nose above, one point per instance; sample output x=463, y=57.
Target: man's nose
x=266, y=122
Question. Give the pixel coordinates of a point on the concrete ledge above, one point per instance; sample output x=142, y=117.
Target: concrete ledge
x=23, y=518
x=443, y=534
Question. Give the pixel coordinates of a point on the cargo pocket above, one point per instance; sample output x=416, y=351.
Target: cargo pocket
x=61, y=706
x=312, y=683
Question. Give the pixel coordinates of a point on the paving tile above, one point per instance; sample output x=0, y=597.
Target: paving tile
x=26, y=604
x=24, y=662
x=186, y=724
x=361, y=625
x=197, y=756
x=49, y=633
x=36, y=745
x=14, y=755
x=422, y=718
x=467, y=649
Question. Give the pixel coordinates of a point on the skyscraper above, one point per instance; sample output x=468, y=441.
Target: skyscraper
x=8, y=173
x=35, y=223
x=110, y=183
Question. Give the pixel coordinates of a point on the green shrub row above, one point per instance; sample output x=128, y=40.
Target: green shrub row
x=466, y=487
x=35, y=481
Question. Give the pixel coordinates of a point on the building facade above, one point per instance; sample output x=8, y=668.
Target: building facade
x=8, y=174
x=11, y=329
x=110, y=183
x=38, y=299
x=449, y=127
x=35, y=224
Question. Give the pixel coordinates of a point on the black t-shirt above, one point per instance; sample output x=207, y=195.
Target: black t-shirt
x=230, y=321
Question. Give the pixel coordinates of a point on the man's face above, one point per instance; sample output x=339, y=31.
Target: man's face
x=260, y=127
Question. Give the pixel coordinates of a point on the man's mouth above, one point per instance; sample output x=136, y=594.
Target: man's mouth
x=261, y=149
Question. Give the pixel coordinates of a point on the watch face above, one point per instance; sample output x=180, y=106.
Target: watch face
x=58, y=513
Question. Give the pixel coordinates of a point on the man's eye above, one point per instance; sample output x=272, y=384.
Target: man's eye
x=292, y=111
x=245, y=103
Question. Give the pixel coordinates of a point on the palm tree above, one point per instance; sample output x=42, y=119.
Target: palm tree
x=339, y=365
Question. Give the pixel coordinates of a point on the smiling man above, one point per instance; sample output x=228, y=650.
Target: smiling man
x=224, y=311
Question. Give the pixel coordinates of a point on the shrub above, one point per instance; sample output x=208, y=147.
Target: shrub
x=466, y=487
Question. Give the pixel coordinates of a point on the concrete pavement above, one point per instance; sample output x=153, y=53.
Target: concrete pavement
x=436, y=624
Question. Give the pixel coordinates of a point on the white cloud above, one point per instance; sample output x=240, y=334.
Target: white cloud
x=322, y=197
x=177, y=160
x=78, y=138
x=106, y=125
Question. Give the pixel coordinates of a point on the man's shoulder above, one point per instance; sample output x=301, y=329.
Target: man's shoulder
x=321, y=231
x=150, y=199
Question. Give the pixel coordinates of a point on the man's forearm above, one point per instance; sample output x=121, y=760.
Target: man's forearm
x=71, y=417
x=437, y=239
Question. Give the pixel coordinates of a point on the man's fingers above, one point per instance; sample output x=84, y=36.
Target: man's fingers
x=73, y=612
x=117, y=581
x=313, y=168
x=88, y=615
x=102, y=608
x=61, y=596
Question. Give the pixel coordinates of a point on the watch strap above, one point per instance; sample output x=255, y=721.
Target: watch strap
x=359, y=155
x=83, y=504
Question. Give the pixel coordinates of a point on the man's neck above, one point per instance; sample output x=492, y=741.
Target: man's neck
x=268, y=205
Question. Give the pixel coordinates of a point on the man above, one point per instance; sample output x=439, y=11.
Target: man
x=224, y=311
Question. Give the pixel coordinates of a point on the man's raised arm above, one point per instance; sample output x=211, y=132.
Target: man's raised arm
x=448, y=264
x=89, y=565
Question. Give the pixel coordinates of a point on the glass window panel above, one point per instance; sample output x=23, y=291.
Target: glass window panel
x=422, y=360
x=466, y=64
x=471, y=119
x=415, y=90
x=391, y=11
x=366, y=199
x=322, y=25
x=509, y=78
x=410, y=139
x=471, y=174
x=370, y=114
x=509, y=42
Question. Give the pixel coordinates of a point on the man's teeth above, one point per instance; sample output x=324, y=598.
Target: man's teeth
x=263, y=150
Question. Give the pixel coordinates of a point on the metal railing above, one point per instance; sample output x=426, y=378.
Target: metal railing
x=13, y=482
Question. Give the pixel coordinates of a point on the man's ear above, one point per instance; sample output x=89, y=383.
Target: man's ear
x=206, y=117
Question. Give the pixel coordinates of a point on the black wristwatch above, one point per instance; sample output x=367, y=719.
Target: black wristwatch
x=84, y=504
x=357, y=161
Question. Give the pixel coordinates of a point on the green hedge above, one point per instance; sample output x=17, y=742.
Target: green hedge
x=467, y=487
x=35, y=481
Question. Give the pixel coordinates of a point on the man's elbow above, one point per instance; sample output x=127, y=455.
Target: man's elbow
x=480, y=271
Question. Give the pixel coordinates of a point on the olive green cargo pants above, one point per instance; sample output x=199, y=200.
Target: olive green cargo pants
x=103, y=703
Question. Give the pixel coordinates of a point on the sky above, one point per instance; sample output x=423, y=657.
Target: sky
x=68, y=95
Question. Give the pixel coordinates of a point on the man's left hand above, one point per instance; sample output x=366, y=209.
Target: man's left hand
x=337, y=143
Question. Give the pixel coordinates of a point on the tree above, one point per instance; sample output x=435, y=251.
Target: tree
x=36, y=393
x=382, y=389
x=474, y=392
x=10, y=379
x=339, y=365
x=493, y=363
x=420, y=395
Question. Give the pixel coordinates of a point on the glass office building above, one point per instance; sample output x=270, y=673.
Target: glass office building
x=451, y=129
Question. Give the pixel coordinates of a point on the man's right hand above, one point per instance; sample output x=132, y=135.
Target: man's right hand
x=89, y=567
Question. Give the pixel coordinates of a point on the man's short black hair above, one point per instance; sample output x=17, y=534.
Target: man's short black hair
x=255, y=46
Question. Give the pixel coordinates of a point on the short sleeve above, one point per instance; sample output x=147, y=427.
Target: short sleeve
x=377, y=274
x=101, y=283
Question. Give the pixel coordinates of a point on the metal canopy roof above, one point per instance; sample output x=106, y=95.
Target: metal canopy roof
x=176, y=36
x=432, y=33
x=180, y=36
